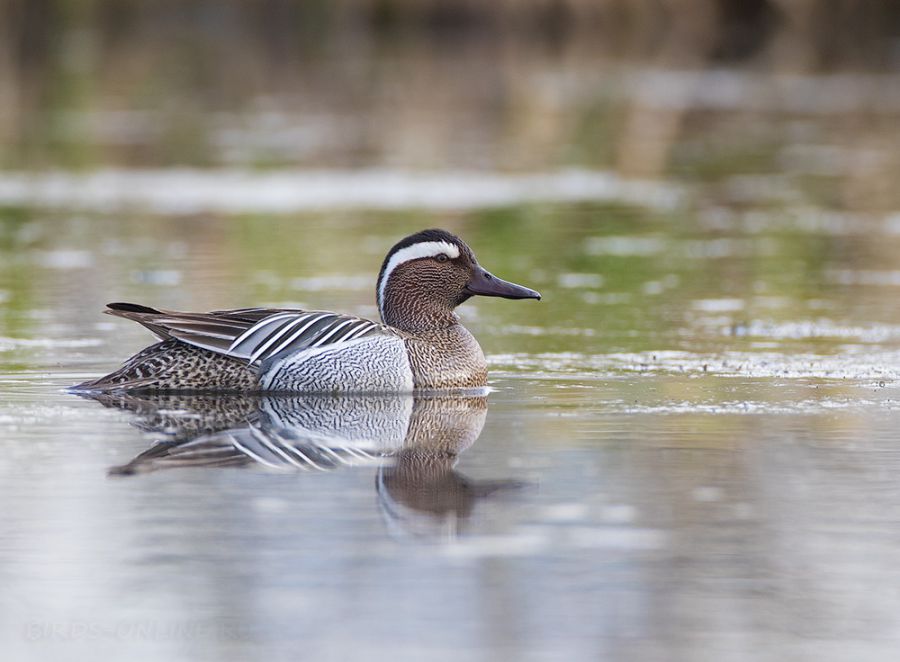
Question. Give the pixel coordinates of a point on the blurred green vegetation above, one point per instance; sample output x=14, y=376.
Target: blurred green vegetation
x=646, y=89
x=614, y=278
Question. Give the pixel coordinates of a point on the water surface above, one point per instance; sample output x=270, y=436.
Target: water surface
x=689, y=449
x=675, y=462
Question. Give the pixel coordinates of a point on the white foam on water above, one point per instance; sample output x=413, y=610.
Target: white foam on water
x=859, y=364
x=807, y=329
x=9, y=344
x=758, y=408
x=191, y=191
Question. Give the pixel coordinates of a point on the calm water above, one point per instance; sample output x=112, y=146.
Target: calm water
x=676, y=461
x=689, y=450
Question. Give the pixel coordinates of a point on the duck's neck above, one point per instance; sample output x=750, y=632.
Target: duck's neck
x=414, y=314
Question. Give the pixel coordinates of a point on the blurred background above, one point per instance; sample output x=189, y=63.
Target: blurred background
x=702, y=410
x=686, y=89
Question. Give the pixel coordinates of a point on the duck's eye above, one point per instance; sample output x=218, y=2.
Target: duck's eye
x=440, y=257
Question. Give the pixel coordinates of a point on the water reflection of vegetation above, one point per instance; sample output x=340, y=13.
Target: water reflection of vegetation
x=17, y=279
x=601, y=297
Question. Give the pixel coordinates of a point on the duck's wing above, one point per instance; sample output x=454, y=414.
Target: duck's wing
x=251, y=334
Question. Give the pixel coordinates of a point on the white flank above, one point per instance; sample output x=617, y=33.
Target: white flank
x=414, y=252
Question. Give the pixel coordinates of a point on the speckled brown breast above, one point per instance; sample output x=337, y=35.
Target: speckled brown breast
x=446, y=358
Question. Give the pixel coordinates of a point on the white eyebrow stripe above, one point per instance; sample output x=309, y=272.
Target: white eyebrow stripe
x=414, y=252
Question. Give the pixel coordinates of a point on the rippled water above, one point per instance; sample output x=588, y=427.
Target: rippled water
x=688, y=451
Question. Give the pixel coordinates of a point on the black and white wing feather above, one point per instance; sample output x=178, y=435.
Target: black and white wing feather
x=252, y=334
x=289, y=332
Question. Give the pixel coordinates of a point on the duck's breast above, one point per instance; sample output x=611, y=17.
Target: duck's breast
x=446, y=359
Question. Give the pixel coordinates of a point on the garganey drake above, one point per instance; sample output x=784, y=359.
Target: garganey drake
x=419, y=346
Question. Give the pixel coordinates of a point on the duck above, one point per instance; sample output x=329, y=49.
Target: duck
x=419, y=345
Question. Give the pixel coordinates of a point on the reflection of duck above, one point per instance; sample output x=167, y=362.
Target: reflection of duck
x=419, y=492
x=416, y=441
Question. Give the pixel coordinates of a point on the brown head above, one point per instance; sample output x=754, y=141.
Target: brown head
x=428, y=274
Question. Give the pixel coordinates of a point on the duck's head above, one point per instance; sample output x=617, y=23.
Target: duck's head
x=428, y=274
